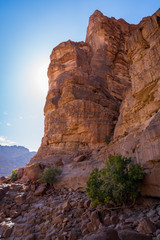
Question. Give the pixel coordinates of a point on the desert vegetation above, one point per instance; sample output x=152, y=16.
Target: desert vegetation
x=50, y=175
x=14, y=175
x=117, y=183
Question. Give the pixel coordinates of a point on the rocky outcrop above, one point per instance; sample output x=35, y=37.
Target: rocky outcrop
x=138, y=126
x=87, y=82
x=142, y=102
x=104, y=89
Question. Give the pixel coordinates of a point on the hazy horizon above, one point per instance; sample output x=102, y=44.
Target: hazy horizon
x=29, y=32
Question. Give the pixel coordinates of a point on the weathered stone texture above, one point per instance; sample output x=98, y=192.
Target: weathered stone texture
x=87, y=82
x=107, y=86
x=143, y=99
x=138, y=127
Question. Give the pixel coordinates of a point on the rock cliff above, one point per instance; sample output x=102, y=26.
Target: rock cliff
x=87, y=82
x=104, y=88
x=138, y=127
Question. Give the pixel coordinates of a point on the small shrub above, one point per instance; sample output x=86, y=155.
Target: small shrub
x=50, y=175
x=108, y=139
x=116, y=183
x=14, y=175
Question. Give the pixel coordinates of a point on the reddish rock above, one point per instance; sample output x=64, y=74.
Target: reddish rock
x=104, y=88
x=107, y=220
x=33, y=171
x=137, y=131
x=91, y=228
x=7, y=233
x=58, y=162
x=132, y=235
x=145, y=226
x=4, y=180
x=58, y=219
x=33, y=187
x=2, y=193
x=114, y=219
x=79, y=158
x=95, y=219
x=14, y=213
x=6, y=229
x=41, y=189
x=87, y=203
x=20, y=198
x=30, y=237
x=85, y=231
x=20, y=173
x=87, y=82
x=72, y=235
x=107, y=234
x=66, y=205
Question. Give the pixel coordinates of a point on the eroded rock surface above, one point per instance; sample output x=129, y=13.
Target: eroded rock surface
x=104, y=89
x=138, y=126
x=87, y=82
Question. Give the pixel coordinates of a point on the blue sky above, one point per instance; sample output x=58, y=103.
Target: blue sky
x=29, y=30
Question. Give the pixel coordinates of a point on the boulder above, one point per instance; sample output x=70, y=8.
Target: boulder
x=41, y=189
x=20, y=173
x=4, y=180
x=79, y=158
x=72, y=235
x=132, y=235
x=145, y=226
x=105, y=234
x=20, y=198
x=66, y=205
x=33, y=171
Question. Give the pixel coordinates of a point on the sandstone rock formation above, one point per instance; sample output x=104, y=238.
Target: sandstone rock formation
x=107, y=87
x=138, y=126
x=87, y=82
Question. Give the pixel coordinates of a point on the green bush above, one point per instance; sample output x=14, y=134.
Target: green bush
x=14, y=175
x=50, y=175
x=107, y=139
x=116, y=183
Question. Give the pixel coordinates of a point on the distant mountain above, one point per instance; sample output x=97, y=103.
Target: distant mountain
x=12, y=157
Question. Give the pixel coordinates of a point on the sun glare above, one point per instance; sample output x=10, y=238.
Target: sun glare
x=37, y=77
x=40, y=76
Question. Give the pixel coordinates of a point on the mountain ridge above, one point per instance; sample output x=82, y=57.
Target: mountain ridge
x=12, y=157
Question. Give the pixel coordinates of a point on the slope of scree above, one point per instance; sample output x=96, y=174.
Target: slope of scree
x=105, y=87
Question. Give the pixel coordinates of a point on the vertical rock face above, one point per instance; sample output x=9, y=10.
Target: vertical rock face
x=140, y=110
x=143, y=100
x=107, y=37
x=139, y=118
x=107, y=86
x=87, y=82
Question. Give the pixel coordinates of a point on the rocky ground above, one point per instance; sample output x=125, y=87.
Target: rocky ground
x=35, y=211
